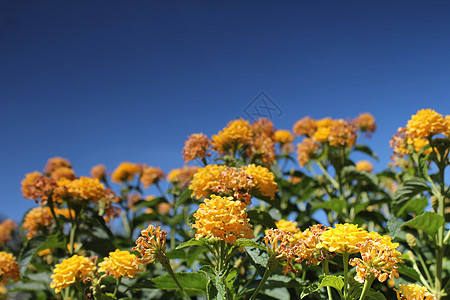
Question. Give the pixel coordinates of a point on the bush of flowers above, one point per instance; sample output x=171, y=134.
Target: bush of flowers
x=237, y=222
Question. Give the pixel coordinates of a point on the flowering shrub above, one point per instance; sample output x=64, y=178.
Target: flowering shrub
x=242, y=224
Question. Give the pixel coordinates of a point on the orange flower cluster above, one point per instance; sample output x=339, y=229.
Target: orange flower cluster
x=223, y=180
x=305, y=127
x=125, y=172
x=426, y=123
x=182, y=176
x=278, y=243
x=413, y=292
x=288, y=226
x=6, y=228
x=236, y=134
x=63, y=172
x=222, y=218
x=196, y=146
x=41, y=218
x=307, y=245
x=99, y=172
x=37, y=187
x=307, y=150
x=56, y=163
x=151, y=175
x=151, y=245
x=283, y=136
x=84, y=188
x=70, y=271
x=364, y=165
x=365, y=123
x=119, y=264
x=9, y=269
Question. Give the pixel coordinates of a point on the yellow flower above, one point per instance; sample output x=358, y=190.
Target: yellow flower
x=236, y=134
x=413, y=292
x=426, y=123
x=71, y=270
x=151, y=175
x=99, y=172
x=365, y=122
x=322, y=134
x=288, y=226
x=344, y=238
x=6, y=227
x=182, y=176
x=222, y=218
x=9, y=269
x=119, y=264
x=63, y=172
x=204, y=179
x=151, y=245
x=55, y=163
x=306, y=150
x=196, y=146
x=125, y=172
x=306, y=126
x=379, y=259
x=283, y=136
x=84, y=188
x=364, y=165
x=264, y=180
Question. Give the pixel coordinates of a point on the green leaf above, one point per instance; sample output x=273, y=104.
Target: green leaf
x=325, y=280
x=375, y=295
x=428, y=222
x=261, y=217
x=365, y=149
x=350, y=173
x=186, y=195
x=394, y=225
x=406, y=191
x=189, y=281
x=334, y=204
x=410, y=272
x=207, y=243
x=240, y=243
x=415, y=205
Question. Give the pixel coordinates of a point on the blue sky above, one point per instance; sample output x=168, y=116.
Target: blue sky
x=111, y=81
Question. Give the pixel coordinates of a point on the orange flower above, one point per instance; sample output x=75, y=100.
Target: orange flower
x=306, y=126
x=264, y=180
x=151, y=175
x=277, y=242
x=63, y=172
x=36, y=219
x=182, y=176
x=342, y=134
x=196, y=146
x=262, y=150
x=307, y=150
x=204, y=179
x=307, y=245
x=99, y=172
x=365, y=122
x=125, y=172
x=222, y=218
x=263, y=126
x=288, y=226
x=84, y=188
x=6, y=228
x=55, y=163
x=9, y=269
x=413, y=292
x=151, y=245
x=283, y=136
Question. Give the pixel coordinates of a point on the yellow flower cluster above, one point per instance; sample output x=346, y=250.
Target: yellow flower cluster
x=119, y=264
x=6, y=227
x=71, y=270
x=342, y=134
x=151, y=245
x=125, y=172
x=9, y=269
x=83, y=188
x=236, y=133
x=182, y=176
x=364, y=165
x=306, y=150
x=233, y=181
x=425, y=124
x=288, y=226
x=222, y=218
x=151, y=175
x=413, y=292
x=283, y=136
x=196, y=146
x=344, y=238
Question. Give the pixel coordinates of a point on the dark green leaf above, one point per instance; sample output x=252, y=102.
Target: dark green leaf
x=410, y=272
x=189, y=281
x=261, y=217
x=428, y=222
x=365, y=149
x=407, y=191
x=240, y=243
x=325, y=280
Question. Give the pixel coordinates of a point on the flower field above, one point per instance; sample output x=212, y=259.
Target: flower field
x=237, y=222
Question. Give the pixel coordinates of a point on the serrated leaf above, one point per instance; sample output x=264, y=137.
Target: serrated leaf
x=428, y=222
x=415, y=205
x=194, y=242
x=406, y=191
x=326, y=280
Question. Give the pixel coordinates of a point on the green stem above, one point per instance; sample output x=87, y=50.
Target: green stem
x=72, y=238
x=326, y=271
x=165, y=262
x=327, y=175
x=366, y=287
x=271, y=265
x=80, y=289
x=424, y=266
x=118, y=280
x=345, y=263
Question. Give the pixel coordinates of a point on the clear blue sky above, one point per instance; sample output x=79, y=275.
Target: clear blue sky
x=111, y=81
